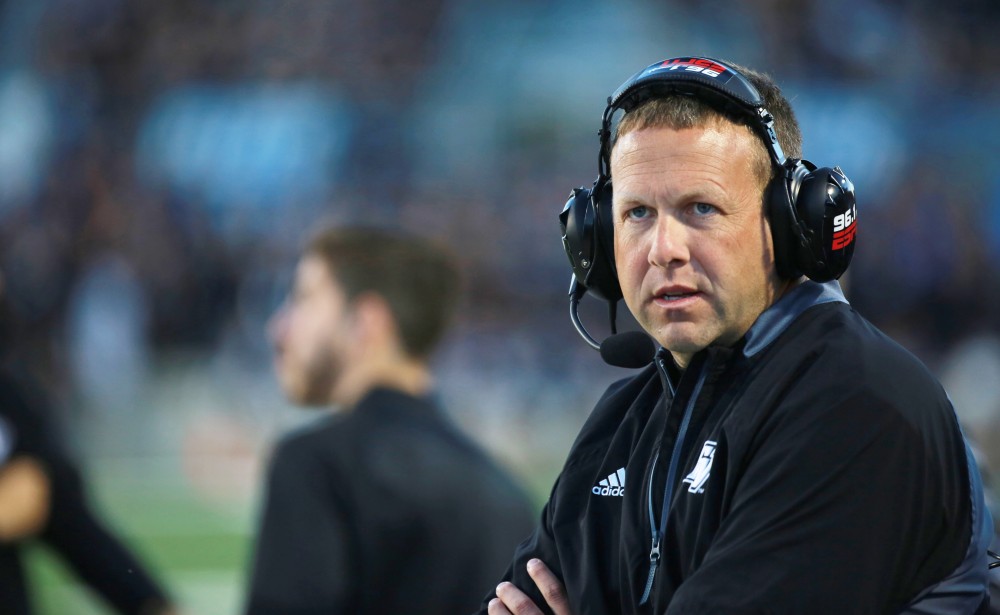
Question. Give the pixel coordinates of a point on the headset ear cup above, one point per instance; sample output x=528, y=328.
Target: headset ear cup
x=576, y=220
x=606, y=235
x=827, y=213
x=604, y=277
x=813, y=221
x=784, y=234
x=587, y=234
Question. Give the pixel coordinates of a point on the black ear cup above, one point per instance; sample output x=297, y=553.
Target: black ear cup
x=786, y=234
x=828, y=211
x=588, y=238
x=813, y=221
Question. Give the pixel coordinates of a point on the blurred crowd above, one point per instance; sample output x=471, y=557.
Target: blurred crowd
x=161, y=164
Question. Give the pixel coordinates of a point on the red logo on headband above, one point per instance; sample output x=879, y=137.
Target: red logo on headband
x=695, y=65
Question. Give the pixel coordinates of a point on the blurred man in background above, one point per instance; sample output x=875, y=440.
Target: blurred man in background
x=384, y=506
x=778, y=454
x=42, y=497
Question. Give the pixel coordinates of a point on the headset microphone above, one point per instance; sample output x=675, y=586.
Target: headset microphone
x=631, y=349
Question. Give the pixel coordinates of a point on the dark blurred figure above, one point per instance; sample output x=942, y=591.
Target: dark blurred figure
x=993, y=502
x=42, y=496
x=384, y=506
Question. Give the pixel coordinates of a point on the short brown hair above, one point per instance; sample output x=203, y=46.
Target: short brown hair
x=417, y=277
x=678, y=111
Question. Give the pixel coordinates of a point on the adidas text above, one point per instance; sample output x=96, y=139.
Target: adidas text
x=613, y=491
x=613, y=485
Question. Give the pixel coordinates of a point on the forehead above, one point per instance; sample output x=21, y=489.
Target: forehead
x=703, y=120
x=649, y=153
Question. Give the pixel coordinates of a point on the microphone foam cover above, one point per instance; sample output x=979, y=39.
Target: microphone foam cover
x=631, y=349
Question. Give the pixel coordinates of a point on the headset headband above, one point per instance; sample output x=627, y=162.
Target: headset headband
x=711, y=80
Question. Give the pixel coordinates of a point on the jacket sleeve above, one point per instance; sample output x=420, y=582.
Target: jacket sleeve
x=93, y=551
x=74, y=529
x=849, y=506
x=304, y=549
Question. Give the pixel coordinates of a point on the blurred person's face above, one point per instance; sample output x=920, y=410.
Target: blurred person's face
x=692, y=245
x=311, y=333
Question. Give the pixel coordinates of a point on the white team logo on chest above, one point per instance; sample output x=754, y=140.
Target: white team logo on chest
x=702, y=469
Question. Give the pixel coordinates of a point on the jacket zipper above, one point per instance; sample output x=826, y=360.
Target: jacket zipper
x=654, y=552
x=668, y=490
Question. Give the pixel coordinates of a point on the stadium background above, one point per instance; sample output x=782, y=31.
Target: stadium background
x=161, y=162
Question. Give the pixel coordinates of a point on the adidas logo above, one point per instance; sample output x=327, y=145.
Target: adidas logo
x=613, y=485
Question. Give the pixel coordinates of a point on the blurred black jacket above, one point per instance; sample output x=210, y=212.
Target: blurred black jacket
x=387, y=508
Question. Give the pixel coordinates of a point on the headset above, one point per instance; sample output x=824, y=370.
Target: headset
x=812, y=210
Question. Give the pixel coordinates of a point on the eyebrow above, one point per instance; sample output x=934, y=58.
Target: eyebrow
x=712, y=196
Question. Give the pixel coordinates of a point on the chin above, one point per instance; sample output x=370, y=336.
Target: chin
x=294, y=396
x=685, y=348
x=675, y=339
x=294, y=390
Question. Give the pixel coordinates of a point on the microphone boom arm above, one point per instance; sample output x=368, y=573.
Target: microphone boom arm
x=576, y=292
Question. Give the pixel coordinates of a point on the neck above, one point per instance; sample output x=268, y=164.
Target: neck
x=403, y=374
x=787, y=285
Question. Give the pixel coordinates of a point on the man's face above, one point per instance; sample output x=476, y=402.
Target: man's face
x=310, y=335
x=692, y=245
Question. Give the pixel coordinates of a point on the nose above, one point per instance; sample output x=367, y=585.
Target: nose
x=277, y=325
x=669, y=245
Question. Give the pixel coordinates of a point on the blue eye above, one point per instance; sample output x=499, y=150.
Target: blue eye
x=704, y=209
x=638, y=212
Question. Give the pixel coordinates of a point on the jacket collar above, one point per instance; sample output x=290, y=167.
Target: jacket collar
x=775, y=319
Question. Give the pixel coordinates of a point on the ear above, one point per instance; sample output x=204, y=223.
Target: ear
x=374, y=326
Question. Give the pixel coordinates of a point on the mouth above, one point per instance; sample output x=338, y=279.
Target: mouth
x=669, y=297
x=675, y=297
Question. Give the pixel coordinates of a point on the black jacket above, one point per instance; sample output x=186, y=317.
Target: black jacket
x=73, y=529
x=814, y=467
x=385, y=509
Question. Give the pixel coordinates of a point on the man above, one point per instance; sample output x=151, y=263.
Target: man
x=43, y=498
x=779, y=454
x=384, y=506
